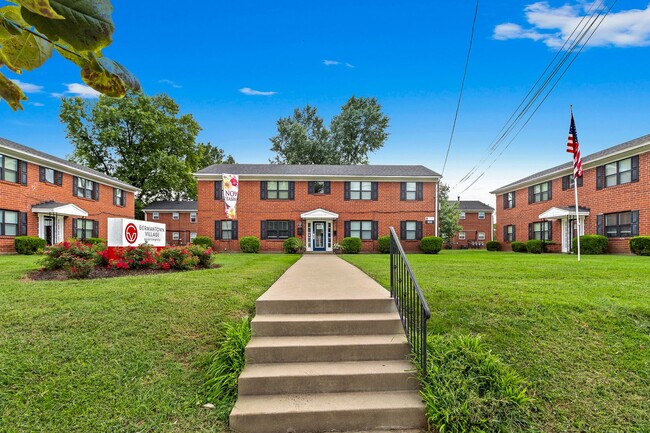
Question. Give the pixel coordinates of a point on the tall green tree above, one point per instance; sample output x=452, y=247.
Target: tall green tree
x=31, y=30
x=360, y=128
x=448, y=216
x=142, y=140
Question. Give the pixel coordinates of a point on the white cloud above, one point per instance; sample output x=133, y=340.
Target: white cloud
x=27, y=87
x=552, y=26
x=349, y=65
x=171, y=83
x=336, y=63
x=37, y=104
x=250, y=92
x=76, y=89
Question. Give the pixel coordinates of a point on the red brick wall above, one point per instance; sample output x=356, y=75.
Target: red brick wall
x=182, y=225
x=388, y=210
x=620, y=198
x=471, y=226
x=16, y=197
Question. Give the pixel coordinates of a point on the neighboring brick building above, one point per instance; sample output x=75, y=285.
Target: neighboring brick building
x=320, y=204
x=614, y=196
x=476, y=221
x=181, y=218
x=42, y=195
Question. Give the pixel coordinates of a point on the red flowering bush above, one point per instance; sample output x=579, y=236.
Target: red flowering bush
x=78, y=267
x=61, y=255
x=204, y=255
x=177, y=258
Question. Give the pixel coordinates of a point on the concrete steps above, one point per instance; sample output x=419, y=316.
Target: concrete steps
x=327, y=358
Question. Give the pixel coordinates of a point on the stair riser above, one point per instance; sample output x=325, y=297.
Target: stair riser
x=367, y=352
x=337, y=327
x=361, y=420
x=325, y=306
x=328, y=383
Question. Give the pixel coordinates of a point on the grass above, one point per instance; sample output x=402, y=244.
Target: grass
x=122, y=354
x=578, y=332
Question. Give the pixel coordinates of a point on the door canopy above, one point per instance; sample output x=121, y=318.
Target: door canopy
x=319, y=214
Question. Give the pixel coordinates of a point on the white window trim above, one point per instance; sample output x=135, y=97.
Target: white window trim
x=193, y=217
x=461, y=236
x=175, y=216
x=462, y=215
x=481, y=215
x=481, y=236
x=176, y=236
x=155, y=215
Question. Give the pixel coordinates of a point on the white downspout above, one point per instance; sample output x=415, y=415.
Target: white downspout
x=437, y=188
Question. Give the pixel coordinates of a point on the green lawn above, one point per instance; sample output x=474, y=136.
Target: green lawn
x=122, y=354
x=579, y=332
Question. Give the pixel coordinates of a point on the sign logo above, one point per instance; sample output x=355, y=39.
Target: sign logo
x=131, y=233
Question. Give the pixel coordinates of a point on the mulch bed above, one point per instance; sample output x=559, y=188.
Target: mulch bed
x=97, y=272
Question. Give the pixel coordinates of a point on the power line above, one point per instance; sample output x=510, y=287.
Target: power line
x=462, y=86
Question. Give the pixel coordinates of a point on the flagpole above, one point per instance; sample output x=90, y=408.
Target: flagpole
x=575, y=189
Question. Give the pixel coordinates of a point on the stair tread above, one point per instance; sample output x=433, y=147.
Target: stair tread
x=327, y=402
x=320, y=317
x=298, y=369
x=326, y=340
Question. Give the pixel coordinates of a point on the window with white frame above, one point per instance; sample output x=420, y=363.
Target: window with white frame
x=462, y=215
x=481, y=215
x=155, y=215
x=176, y=236
x=481, y=236
x=193, y=217
x=461, y=236
x=175, y=215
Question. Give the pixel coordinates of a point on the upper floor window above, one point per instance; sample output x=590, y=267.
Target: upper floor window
x=568, y=182
x=49, y=175
x=119, y=197
x=8, y=223
x=509, y=200
x=193, y=217
x=462, y=215
x=175, y=215
x=509, y=233
x=540, y=192
x=481, y=215
x=618, y=172
x=361, y=190
x=318, y=187
x=411, y=191
x=277, y=190
x=155, y=215
x=364, y=230
x=411, y=230
x=9, y=169
x=541, y=231
x=85, y=188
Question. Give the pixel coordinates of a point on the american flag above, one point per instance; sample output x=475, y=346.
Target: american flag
x=573, y=147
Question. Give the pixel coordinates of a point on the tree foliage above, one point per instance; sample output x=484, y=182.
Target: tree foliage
x=141, y=140
x=31, y=30
x=358, y=130
x=449, y=215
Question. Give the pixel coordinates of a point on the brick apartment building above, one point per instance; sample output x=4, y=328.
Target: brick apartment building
x=54, y=199
x=614, y=198
x=320, y=204
x=180, y=217
x=476, y=221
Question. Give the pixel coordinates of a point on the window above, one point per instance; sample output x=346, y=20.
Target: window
x=193, y=217
x=360, y=190
x=85, y=188
x=618, y=225
x=175, y=215
x=411, y=230
x=509, y=233
x=618, y=172
x=119, y=197
x=84, y=229
x=411, y=191
x=462, y=215
x=278, y=230
x=225, y=230
x=8, y=223
x=568, y=182
x=318, y=187
x=277, y=190
x=509, y=200
x=540, y=231
x=481, y=215
x=192, y=236
x=481, y=236
x=49, y=175
x=155, y=215
x=361, y=229
x=461, y=236
x=176, y=236
x=8, y=169
x=539, y=192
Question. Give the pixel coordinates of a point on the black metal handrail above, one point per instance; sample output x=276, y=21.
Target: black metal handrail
x=411, y=305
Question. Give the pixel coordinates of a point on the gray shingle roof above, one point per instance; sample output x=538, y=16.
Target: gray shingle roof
x=181, y=206
x=637, y=142
x=473, y=205
x=31, y=151
x=320, y=170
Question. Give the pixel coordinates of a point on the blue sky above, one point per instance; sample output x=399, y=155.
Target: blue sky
x=239, y=66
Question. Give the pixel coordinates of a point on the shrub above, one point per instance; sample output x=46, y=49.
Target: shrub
x=95, y=241
x=519, y=247
x=431, y=244
x=28, y=245
x=178, y=258
x=470, y=389
x=78, y=267
x=249, y=244
x=227, y=364
x=534, y=246
x=384, y=244
x=351, y=245
x=204, y=255
x=493, y=246
x=591, y=244
x=640, y=245
x=140, y=257
x=292, y=245
x=204, y=241
x=60, y=255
